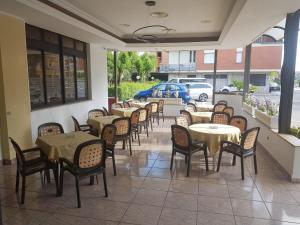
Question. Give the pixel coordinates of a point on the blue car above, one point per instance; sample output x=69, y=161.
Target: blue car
x=165, y=90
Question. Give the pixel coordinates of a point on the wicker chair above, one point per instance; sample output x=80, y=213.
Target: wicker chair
x=161, y=104
x=28, y=163
x=106, y=111
x=118, y=105
x=47, y=129
x=134, y=119
x=243, y=150
x=143, y=120
x=224, y=102
x=155, y=111
x=239, y=122
x=94, y=113
x=188, y=116
x=220, y=118
x=149, y=115
x=84, y=127
x=191, y=107
x=182, y=143
x=108, y=135
x=229, y=110
x=126, y=104
x=88, y=161
x=219, y=107
x=182, y=121
x=123, y=131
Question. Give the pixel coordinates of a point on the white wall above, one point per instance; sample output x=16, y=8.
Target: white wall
x=99, y=96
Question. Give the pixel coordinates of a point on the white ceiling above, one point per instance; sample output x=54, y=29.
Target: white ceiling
x=236, y=22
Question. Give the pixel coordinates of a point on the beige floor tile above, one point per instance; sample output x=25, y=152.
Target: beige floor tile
x=250, y=208
x=278, y=196
x=190, y=187
x=214, y=205
x=150, y=197
x=156, y=184
x=205, y=218
x=127, y=181
x=121, y=194
x=142, y=214
x=284, y=212
x=214, y=190
x=177, y=217
x=181, y=201
x=246, y=192
x=160, y=173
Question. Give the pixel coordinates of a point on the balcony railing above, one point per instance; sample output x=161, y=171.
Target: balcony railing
x=188, y=67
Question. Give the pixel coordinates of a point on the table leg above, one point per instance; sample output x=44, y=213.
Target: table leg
x=55, y=167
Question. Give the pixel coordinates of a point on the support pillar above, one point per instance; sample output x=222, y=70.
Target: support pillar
x=247, y=70
x=215, y=75
x=115, y=76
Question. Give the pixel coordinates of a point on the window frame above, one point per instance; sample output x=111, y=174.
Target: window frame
x=239, y=56
x=43, y=46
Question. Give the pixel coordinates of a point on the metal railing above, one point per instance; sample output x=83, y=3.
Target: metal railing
x=188, y=67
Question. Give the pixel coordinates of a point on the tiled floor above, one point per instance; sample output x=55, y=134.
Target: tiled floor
x=146, y=192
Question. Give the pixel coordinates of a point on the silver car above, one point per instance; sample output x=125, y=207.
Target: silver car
x=200, y=91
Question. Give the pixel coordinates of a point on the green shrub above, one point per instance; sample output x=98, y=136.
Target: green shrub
x=127, y=90
x=238, y=84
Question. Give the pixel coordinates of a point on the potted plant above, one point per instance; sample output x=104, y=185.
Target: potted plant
x=267, y=113
x=249, y=104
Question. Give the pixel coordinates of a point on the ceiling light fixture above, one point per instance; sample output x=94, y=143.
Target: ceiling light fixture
x=205, y=21
x=159, y=14
x=124, y=25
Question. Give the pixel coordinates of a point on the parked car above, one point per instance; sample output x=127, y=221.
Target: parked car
x=165, y=90
x=188, y=80
x=228, y=88
x=200, y=91
x=274, y=87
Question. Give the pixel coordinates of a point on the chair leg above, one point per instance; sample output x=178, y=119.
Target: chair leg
x=172, y=159
x=123, y=147
x=151, y=124
x=157, y=118
x=206, y=159
x=114, y=163
x=242, y=167
x=55, y=173
x=47, y=174
x=147, y=130
x=163, y=116
x=189, y=166
x=92, y=180
x=130, y=150
x=61, y=180
x=219, y=161
x=234, y=160
x=255, y=163
x=17, y=181
x=138, y=135
x=105, y=184
x=23, y=189
x=186, y=159
x=78, y=192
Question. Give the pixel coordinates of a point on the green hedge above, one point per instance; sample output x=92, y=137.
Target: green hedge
x=127, y=90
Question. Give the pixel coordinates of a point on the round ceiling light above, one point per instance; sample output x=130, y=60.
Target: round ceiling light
x=150, y=3
x=124, y=25
x=205, y=21
x=159, y=14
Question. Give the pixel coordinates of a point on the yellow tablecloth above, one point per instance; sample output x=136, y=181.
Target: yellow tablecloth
x=202, y=117
x=213, y=134
x=62, y=145
x=123, y=112
x=101, y=121
x=204, y=108
x=140, y=104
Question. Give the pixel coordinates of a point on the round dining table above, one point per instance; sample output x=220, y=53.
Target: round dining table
x=204, y=107
x=213, y=134
x=201, y=117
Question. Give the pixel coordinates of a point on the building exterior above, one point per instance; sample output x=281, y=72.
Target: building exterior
x=265, y=58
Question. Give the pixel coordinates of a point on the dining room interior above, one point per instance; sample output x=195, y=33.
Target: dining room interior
x=74, y=150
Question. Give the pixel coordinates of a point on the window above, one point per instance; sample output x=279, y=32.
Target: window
x=192, y=56
x=161, y=87
x=258, y=79
x=56, y=68
x=209, y=56
x=239, y=55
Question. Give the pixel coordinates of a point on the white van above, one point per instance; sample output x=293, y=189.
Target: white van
x=188, y=80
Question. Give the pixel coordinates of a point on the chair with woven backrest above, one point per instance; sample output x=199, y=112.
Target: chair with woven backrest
x=155, y=111
x=88, y=161
x=134, y=119
x=106, y=111
x=161, y=104
x=94, y=113
x=247, y=147
x=219, y=107
x=126, y=104
x=28, y=163
x=229, y=110
x=123, y=131
x=143, y=120
x=191, y=107
x=188, y=116
x=220, y=118
x=182, y=143
x=108, y=135
x=84, y=127
x=182, y=121
x=224, y=102
x=50, y=129
x=118, y=105
x=149, y=115
x=239, y=122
